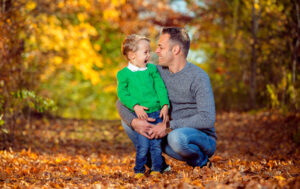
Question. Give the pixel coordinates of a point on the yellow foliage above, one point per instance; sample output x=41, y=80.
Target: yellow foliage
x=57, y=60
x=74, y=41
x=30, y=5
x=84, y=3
x=97, y=47
x=58, y=43
x=61, y=4
x=82, y=17
x=111, y=14
x=111, y=88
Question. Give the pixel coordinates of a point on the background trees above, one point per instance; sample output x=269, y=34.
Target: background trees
x=252, y=51
x=69, y=51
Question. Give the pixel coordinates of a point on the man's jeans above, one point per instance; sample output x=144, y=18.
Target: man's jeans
x=186, y=144
x=144, y=146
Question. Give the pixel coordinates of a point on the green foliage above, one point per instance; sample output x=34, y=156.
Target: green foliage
x=77, y=97
x=23, y=102
x=273, y=96
x=2, y=128
x=29, y=99
x=283, y=95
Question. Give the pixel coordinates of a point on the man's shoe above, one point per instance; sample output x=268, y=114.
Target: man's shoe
x=139, y=175
x=208, y=164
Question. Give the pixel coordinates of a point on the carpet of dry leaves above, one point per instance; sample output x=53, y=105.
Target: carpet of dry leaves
x=253, y=151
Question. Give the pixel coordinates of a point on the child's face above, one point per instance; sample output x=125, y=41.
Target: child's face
x=142, y=55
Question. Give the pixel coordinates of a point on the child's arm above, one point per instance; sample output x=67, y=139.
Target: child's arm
x=164, y=113
x=127, y=99
x=140, y=111
x=122, y=90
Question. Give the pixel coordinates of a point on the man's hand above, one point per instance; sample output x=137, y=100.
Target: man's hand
x=158, y=131
x=164, y=113
x=140, y=112
x=142, y=126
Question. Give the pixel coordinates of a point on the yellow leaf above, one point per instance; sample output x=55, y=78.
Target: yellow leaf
x=81, y=17
x=216, y=158
x=97, y=47
x=30, y=5
x=61, y=4
x=57, y=60
x=84, y=172
x=33, y=156
x=58, y=160
x=279, y=178
x=230, y=163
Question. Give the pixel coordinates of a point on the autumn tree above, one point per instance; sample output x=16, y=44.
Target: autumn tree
x=249, y=51
x=69, y=50
x=17, y=77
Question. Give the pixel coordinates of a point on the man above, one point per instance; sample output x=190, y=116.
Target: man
x=192, y=112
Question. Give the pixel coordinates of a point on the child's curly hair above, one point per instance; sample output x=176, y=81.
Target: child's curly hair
x=131, y=43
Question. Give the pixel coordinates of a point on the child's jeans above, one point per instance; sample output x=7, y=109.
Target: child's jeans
x=153, y=145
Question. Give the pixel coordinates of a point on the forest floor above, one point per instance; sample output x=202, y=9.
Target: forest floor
x=253, y=151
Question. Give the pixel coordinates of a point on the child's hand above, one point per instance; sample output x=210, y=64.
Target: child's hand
x=140, y=111
x=164, y=113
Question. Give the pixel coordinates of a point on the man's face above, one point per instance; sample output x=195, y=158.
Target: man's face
x=164, y=50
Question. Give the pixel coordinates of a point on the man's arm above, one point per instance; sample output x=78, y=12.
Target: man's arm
x=205, y=117
x=125, y=114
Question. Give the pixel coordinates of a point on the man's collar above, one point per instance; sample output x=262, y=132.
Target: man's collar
x=135, y=68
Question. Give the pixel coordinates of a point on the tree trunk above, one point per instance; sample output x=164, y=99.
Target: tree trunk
x=297, y=44
x=253, y=58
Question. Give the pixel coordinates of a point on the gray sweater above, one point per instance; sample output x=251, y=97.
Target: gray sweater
x=191, y=98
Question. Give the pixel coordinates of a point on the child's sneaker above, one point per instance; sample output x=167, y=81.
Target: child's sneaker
x=155, y=173
x=139, y=175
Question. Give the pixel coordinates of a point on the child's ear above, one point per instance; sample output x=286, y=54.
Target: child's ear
x=131, y=55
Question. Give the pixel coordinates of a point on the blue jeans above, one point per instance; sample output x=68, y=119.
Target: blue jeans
x=185, y=144
x=145, y=146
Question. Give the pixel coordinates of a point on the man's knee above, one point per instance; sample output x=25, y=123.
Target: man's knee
x=177, y=141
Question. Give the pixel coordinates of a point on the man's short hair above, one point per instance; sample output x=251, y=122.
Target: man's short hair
x=180, y=36
x=131, y=43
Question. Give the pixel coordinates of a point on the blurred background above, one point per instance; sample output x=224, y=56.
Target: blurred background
x=60, y=57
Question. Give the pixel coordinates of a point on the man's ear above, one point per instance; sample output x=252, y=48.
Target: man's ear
x=176, y=49
x=131, y=55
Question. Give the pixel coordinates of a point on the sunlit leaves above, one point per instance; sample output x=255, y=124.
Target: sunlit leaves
x=70, y=43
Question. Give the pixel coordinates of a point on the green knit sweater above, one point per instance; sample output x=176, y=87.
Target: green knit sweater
x=145, y=88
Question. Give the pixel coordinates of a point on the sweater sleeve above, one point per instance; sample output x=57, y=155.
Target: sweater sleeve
x=125, y=114
x=122, y=90
x=205, y=116
x=160, y=87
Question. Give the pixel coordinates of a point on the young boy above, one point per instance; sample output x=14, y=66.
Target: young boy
x=141, y=89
